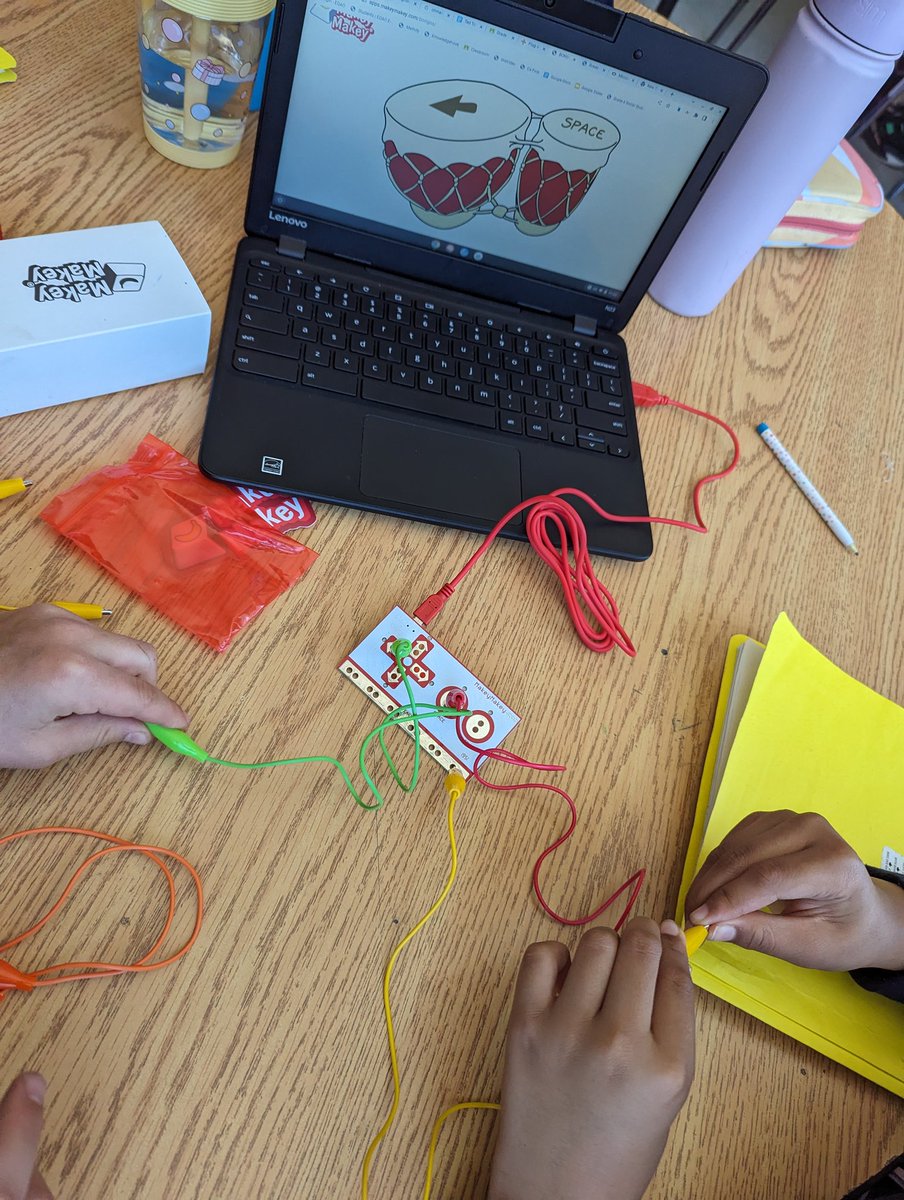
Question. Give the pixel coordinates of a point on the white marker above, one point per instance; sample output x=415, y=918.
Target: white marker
x=806, y=487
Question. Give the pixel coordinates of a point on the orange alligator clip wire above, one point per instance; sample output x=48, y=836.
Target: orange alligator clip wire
x=12, y=979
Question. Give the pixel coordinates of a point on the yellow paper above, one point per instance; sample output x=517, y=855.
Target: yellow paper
x=7, y=62
x=811, y=739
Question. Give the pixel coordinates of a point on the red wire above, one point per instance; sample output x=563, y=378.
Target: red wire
x=97, y=970
x=635, y=882
x=593, y=612
x=592, y=608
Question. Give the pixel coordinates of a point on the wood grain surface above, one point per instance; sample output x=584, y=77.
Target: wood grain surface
x=257, y=1067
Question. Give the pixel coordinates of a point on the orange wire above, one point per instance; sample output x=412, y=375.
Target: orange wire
x=99, y=970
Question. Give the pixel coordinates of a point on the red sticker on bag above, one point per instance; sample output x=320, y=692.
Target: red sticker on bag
x=284, y=513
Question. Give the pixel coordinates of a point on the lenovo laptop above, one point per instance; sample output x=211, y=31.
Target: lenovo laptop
x=454, y=209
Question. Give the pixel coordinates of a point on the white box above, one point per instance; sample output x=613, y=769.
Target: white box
x=95, y=311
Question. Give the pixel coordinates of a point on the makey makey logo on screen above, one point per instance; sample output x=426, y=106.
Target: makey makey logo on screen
x=356, y=27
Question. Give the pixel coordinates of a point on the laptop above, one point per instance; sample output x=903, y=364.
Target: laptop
x=454, y=209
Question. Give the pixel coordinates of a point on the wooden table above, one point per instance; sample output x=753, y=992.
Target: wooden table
x=258, y=1066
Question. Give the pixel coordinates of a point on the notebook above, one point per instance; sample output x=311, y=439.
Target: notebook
x=455, y=208
x=794, y=731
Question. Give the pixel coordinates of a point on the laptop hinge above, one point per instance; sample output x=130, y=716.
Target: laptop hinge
x=292, y=247
x=585, y=326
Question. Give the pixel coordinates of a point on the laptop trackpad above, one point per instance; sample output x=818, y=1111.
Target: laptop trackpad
x=448, y=472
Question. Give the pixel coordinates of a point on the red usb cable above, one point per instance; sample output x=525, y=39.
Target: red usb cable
x=591, y=606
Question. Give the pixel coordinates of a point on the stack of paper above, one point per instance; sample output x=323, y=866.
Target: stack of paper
x=794, y=731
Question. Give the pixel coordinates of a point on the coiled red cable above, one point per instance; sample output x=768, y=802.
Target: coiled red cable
x=556, y=531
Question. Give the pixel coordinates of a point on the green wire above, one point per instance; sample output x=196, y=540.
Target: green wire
x=397, y=647
x=411, y=712
x=398, y=717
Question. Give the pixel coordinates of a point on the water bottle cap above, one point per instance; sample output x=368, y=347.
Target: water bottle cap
x=226, y=10
x=878, y=25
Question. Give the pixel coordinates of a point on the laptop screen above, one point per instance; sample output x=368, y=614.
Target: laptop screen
x=420, y=124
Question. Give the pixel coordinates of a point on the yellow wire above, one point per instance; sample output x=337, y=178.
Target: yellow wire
x=454, y=794
x=455, y=786
x=437, y=1126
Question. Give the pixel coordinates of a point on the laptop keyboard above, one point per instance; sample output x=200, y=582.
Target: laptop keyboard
x=353, y=337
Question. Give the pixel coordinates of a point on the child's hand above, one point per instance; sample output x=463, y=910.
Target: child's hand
x=827, y=911
x=599, y=1059
x=66, y=686
x=21, y=1118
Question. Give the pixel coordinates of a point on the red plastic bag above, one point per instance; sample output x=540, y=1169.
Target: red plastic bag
x=180, y=541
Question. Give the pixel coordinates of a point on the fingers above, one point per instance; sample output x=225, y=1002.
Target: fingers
x=631, y=990
x=752, y=839
x=66, y=687
x=38, y=1189
x=743, y=873
x=802, y=876
x=75, y=735
x=585, y=987
x=673, y=1005
x=795, y=939
x=124, y=653
x=21, y=1118
x=538, y=979
x=95, y=687
x=77, y=668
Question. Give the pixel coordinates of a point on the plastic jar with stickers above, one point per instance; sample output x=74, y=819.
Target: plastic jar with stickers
x=199, y=60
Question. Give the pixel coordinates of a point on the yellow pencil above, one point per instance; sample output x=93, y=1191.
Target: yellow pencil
x=12, y=487
x=90, y=612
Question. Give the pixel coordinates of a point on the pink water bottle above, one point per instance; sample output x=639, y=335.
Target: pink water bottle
x=827, y=69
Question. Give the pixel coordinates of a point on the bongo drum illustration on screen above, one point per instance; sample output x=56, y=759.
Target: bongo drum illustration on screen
x=451, y=146
x=559, y=167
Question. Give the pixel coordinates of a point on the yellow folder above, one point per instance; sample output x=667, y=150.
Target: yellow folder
x=7, y=62
x=801, y=734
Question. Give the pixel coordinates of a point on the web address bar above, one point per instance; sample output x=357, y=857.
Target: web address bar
x=378, y=8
